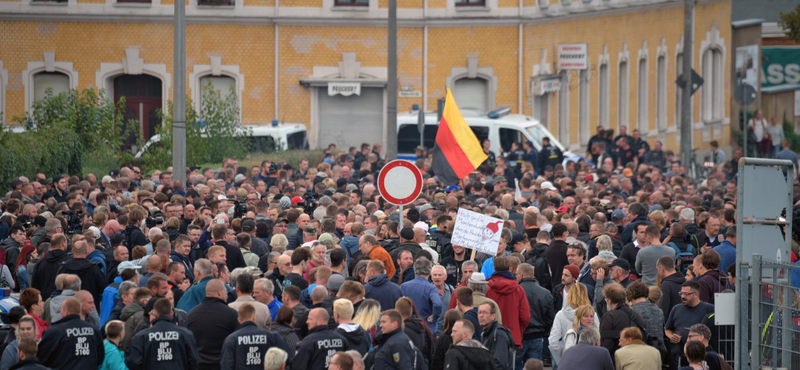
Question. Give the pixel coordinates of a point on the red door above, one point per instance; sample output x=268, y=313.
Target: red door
x=142, y=100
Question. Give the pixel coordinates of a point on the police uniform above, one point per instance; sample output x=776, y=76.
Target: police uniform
x=316, y=350
x=394, y=350
x=245, y=348
x=162, y=346
x=71, y=343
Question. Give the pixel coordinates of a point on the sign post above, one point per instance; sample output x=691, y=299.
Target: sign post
x=400, y=183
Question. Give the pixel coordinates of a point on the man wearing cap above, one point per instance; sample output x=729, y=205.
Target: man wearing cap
x=257, y=246
x=406, y=243
x=619, y=271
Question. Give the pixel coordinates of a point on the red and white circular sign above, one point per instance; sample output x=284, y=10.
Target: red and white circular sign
x=400, y=182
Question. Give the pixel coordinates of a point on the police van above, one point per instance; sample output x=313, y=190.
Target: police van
x=263, y=138
x=499, y=126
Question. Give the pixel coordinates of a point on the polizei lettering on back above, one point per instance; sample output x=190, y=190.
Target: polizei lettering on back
x=79, y=332
x=252, y=339
x=165, y=335
x=328, y=343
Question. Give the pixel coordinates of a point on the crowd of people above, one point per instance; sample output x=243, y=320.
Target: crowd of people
x=607, y=266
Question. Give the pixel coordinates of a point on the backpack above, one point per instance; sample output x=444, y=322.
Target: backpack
x=512, y=350
x=650, y=340
x=683, y=259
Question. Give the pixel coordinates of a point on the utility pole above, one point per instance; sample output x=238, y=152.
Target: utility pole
x=179, y=96
x=686, y=96
x=391, y=85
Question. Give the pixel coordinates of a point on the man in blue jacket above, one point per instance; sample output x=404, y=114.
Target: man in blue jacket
x=164, y=345
x=727, y=249
x=424, y=294
x=638, y=210
x=203, y=272
x=379, y=287
x=393, y=349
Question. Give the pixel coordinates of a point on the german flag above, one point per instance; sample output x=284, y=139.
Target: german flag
x=457, y=151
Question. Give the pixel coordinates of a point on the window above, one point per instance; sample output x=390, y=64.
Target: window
x=470, y=2
x=661, y=93
x=351, y=3
x=563, y=110
x=712, y=86
x=55, y=81
x=583, y=108
x=641, y=110
x=470, y=93
x=603, y=99
x=678, y=91
x=541, y=105
x=209, y=2
x=134, y=1
x=408, y=137
x=510, y=135
x=224, y=85
x=622, y=90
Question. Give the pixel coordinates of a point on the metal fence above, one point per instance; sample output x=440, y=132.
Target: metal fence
x=768, y=329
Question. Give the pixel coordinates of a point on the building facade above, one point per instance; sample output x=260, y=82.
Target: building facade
x=323, y=62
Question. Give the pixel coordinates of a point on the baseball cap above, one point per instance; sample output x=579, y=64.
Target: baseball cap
x=500, y=179
x=16, y=182
x=516, y=238
x=451, y=188
x=617, y=215
x=279, y=220
x=297, y=199
x=562, y=209
x=39, y=221
x=621, y=263
x=326, y=238
x=127, y=265
x=248, y=225
x=588, y=177
x=547, y=185
x=309, y=229
x=107, y=179
x=335, y=282
x=425, y=207
x=116, y=239
x=379, y=214
x=478, y=278
x=351, y=187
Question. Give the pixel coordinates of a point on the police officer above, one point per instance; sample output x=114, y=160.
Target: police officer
x=71, y=343
x=247, y=347
x=164, y=345
x=316, y=350
x=393, y=349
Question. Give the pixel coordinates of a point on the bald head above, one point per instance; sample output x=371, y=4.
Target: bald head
x=317, y=317
x=419, y=235
x=216, y=289
x=154, y=263
x=70, y=306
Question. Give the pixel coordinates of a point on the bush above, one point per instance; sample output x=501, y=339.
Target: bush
x=53, y=152
x=211, y=135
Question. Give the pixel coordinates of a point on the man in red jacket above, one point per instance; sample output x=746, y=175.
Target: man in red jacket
x=510, y=297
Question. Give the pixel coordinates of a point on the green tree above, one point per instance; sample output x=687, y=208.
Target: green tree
x=211, y=135
x=791, y=23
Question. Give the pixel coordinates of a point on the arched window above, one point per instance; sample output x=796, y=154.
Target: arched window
x=57, y=82
x=661, y=93
x=603, y=107
x=713, y=96
x=224, y=85
x=623, y=96
x=471, y=93
x=641, y=109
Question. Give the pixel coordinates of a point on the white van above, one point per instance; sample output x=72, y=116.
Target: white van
x=263, y=138
x=498, y=126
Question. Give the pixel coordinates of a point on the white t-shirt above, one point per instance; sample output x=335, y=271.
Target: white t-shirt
x=760, y=124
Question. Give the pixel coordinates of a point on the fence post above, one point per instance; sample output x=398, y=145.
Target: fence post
x=755, y=313
x=786, y=330
x=741, y=358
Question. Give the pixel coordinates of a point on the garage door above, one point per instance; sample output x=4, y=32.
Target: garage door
x=351, y=120
x=470, y=93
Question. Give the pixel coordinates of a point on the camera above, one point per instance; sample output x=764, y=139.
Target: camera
x=240, y=207
x=73, y=222
x=273, y=168
x=310, y=203
x=151, y=222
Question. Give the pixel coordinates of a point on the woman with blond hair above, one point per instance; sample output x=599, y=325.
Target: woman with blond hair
x=368, y=315
x=584, y=317
x=605, y=248
x=577, y=297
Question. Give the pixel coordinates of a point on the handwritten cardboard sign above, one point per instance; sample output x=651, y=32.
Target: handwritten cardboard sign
x=477, y=231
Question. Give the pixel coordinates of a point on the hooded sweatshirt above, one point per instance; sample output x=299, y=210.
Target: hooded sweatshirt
x=561, y=325
x=357, y=338
x=382, y=290
x=470, y=355
x=56, y=302
x=513, y=302
x=92, y=280
x=44, y=275
x=713, y=281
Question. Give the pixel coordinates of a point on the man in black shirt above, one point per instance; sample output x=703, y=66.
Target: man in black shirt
x=71, y=343
x=164, y=345
x=299, y=266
